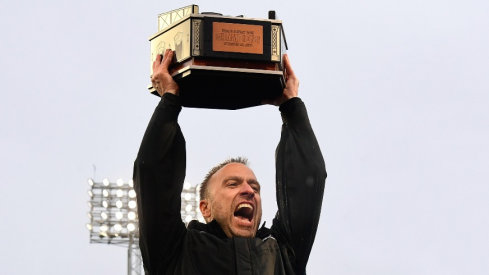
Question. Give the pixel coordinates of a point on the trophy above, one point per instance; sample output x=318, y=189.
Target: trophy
x=221, y=62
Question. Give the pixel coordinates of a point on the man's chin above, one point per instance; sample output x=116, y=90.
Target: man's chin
x=244, y=233
x=243, y=228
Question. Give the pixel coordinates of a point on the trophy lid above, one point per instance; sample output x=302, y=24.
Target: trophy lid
x=168, y=18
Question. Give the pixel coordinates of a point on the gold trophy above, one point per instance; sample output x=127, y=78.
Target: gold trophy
x=221, y=62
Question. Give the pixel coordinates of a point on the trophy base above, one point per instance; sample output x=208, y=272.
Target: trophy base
x=226, y=88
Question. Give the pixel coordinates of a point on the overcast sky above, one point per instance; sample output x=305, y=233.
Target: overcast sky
x=397, y=93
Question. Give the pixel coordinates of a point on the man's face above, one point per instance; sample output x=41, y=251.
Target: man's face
x=234, y=200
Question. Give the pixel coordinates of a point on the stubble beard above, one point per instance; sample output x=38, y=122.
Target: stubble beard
x=226, y=223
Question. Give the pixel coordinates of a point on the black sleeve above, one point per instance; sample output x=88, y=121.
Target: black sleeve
x=300, y=176
x=159, y=172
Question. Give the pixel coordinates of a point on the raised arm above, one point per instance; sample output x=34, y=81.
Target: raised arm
x=300, y=176
x=159, y=172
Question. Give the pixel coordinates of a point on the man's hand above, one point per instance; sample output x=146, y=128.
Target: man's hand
x=291, y=85
x=161, y=78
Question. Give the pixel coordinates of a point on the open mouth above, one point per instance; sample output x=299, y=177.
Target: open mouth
x=244, y=211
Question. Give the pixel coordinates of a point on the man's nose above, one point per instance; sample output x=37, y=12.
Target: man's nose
x=247, y=190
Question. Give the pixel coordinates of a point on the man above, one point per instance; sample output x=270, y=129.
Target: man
x=230, y=242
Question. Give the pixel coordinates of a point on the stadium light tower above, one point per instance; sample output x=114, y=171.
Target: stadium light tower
x=113, y=216
x=190, y=203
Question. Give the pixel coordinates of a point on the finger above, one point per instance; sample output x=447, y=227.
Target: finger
x=156, y=63
x=168, y=58
x=288, y=67
x=163, y=57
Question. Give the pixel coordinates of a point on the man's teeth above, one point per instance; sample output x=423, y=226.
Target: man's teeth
x=245, y=205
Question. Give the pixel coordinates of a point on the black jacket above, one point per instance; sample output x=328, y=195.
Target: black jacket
x=168, y=247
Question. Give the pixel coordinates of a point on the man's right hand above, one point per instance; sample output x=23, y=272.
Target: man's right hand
x=161, y=78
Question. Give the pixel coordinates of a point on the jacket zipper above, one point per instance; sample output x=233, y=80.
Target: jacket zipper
x=251, y=256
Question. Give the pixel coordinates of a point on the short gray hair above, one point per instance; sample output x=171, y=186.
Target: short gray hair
x=204, y=186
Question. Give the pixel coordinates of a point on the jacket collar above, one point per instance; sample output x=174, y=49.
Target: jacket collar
x=215, y=229
x=211, y=228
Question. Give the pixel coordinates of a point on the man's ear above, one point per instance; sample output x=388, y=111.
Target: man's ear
x=205, y=208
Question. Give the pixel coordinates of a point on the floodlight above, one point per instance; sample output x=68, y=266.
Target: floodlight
x=113, y=217
x=187, y=185
x=106, y=182
x=120, y=182
x=197, y=192
x=131, y=215
x=118, y=226
x=131, y=227
x=190, y=202
x=188, y=196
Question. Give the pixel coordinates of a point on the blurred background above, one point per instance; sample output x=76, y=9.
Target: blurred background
x=397, y=93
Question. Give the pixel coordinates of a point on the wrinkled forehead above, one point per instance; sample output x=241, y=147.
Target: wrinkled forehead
x=231, y=171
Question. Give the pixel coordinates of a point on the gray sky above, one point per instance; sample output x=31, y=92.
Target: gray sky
x=397, y=93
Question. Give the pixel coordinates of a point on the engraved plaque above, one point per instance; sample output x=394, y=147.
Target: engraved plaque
x=238, y=38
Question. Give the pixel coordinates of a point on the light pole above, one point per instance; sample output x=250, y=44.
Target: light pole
x=113, y=216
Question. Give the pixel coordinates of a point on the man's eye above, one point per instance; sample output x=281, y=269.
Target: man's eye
x=232, y=184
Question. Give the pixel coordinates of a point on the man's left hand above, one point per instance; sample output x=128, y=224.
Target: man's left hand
x=291, y=85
